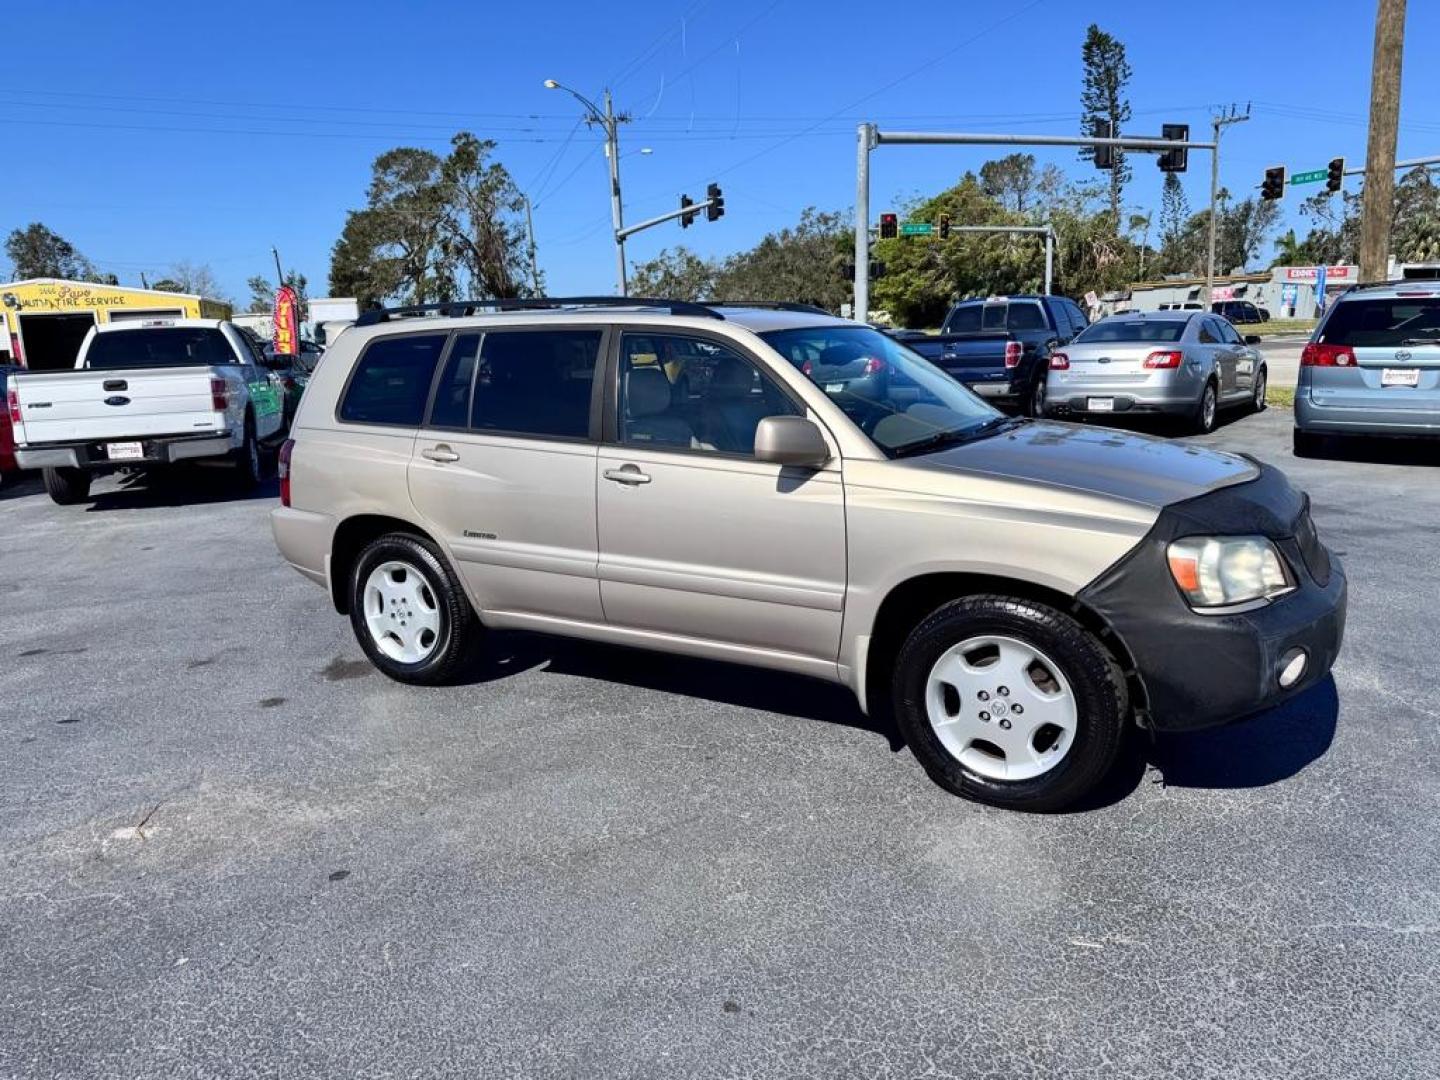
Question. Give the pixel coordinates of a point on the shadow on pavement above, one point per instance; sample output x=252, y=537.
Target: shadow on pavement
x=511, y=652
x=178, y=487
x=1381, y=451
x=18, y=484
x=1264, y=749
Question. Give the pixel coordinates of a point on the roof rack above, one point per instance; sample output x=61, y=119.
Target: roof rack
x=769, y=305
x=1394, y=283
x=456, y=309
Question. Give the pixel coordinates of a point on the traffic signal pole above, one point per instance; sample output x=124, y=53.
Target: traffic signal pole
x=869, y=137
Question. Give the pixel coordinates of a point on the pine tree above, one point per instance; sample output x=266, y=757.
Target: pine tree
x=1103, y=98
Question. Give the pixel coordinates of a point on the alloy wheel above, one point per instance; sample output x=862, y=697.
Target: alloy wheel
x=401, y=612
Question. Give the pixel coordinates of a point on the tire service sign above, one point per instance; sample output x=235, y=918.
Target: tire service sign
x=287, y=322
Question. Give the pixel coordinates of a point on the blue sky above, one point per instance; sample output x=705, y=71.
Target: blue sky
x=208, y=132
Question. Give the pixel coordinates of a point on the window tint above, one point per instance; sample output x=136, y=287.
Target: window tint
x=167, y=346
x=1208, y=335
x=693, y=393
x=535, y=382
x=1228, y=333
x=392, y=380
x=1132, y=330
x=1025, y=317
x=964, y=319
x=452, y=396
x=1389, y=323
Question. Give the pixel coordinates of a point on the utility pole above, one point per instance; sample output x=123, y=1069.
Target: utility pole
x=1218, y=124
x=1377, y=209
x=609, y=122
x=530, y=235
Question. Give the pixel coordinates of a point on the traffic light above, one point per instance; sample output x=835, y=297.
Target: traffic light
x=1274, y=185
x=1175, y=160
x=944, y=226
x=686, y=220
x=1104, y=155
x=716, y=210
x=1335, y=175
x=889, y=226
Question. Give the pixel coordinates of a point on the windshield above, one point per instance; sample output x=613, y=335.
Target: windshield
x=1133, y=330
x=1387, y=323
x=893, y=395
x=166, y=346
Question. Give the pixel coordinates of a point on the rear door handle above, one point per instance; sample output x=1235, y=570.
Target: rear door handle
x=629, y=474
x=441, y=453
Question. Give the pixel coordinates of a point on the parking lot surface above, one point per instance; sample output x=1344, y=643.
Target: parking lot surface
x=229, y=847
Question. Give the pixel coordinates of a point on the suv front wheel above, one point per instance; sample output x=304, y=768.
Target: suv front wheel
x=1010, y=702
x=409, y=612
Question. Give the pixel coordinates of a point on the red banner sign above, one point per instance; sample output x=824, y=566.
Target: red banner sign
x=287, y=321
x=1311, y=273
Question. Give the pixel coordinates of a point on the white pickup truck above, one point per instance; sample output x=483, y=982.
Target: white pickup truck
x=146, y=395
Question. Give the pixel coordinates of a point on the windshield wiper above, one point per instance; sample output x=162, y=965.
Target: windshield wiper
x=1422, y=340
x=956, y=436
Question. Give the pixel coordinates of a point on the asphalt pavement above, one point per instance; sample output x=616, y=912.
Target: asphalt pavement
x=229, y=847
x=1282, y=357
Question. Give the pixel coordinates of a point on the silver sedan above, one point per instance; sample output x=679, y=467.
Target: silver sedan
x=1181, y=363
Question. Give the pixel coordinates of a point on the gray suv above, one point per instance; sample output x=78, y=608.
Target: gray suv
x=699, y=479
x=1372, y=366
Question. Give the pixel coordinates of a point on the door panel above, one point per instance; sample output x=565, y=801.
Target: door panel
x=717, y=548
x=517, y=514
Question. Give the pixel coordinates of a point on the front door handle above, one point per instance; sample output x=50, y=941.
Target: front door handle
x=629, y=474
x=441, y=453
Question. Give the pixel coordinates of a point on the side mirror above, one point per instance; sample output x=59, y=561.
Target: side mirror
x=1252, y=339
x=790, y=440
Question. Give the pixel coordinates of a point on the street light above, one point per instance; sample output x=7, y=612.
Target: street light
x=610, y=124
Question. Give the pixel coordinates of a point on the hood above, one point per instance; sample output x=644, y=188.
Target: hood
x=1100, y=461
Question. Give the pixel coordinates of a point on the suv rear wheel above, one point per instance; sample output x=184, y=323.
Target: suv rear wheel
x=1010, y=702
x=409, y=612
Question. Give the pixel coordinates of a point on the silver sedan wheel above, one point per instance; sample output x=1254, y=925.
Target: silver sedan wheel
x=1001, y=708
x=401, y=613
x=1208, y=407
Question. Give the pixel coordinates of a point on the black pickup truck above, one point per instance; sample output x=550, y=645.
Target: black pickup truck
x=1000, y=346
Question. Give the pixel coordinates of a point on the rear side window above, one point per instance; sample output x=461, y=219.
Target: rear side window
x=161, y=346
x=535, y=382
x=391, y=382
x=1404, y=320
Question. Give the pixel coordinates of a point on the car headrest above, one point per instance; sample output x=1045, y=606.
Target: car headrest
x=839, y=355
x=647, y=392
x=732, y=378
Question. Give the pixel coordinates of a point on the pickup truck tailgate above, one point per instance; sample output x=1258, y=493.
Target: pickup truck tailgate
x=67, y=406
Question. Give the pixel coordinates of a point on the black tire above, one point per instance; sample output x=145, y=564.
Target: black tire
x=1207, y=410
x=1035, y=406
x=1262, y=382
x=1094, y=678
x=1308, y=444
x=67, y=486
x=248, y=461
x=460, y=631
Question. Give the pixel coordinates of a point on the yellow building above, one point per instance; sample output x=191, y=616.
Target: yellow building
x=44, y=320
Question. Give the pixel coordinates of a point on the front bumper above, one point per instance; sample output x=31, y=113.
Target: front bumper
x=91, y=456
x=1200, y=670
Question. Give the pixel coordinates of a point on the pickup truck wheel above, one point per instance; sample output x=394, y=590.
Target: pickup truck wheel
x=1036, y=406
x=1207, y=409
x=1010, y=702
x=249, y=467
x=409, y=612
x=67, y=486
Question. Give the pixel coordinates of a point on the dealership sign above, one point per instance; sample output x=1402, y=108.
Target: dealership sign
x=1310, y=273
x=287, y=321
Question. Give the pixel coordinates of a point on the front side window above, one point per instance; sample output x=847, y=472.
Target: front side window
x=896, y=397
x=391, y=382
x=693, y=393
x=1384, y=323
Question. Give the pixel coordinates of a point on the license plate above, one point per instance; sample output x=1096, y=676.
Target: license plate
x=124, y=451
x=1100, y=404
x=834, y=387
x=1400, y=377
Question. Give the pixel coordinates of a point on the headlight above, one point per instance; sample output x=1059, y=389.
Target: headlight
x=1219, y=572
